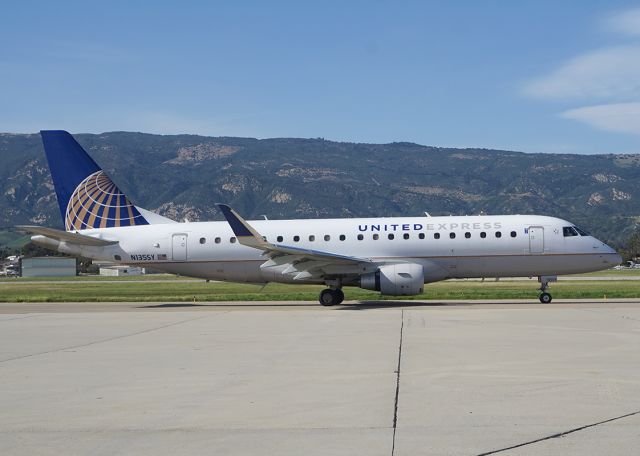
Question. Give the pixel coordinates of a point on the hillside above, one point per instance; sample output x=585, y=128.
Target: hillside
x=184, y=176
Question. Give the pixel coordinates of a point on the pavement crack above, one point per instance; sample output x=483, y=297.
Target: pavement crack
x=560, y=434
x=109, y=339
x=395, y=404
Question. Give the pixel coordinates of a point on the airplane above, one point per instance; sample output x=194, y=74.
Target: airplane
x=395, y=256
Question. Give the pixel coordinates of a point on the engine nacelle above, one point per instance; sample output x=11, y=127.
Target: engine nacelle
x=395, y=279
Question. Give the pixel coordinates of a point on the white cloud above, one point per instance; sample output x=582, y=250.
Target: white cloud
x=627, y=22
x=611, y=74
x=608, y=79
x=615, y=117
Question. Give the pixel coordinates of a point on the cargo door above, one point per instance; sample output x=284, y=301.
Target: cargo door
x=179, y=250
x=536, y=239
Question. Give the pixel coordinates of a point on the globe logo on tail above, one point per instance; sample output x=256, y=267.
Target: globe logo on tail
x=98, y=203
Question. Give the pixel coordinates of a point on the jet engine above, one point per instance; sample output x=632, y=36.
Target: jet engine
x=395, y=279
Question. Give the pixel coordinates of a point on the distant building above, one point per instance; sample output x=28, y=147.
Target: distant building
x=119, y=271
x=48, y=267
x=10, y=268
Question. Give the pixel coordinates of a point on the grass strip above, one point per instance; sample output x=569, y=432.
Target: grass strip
x=79, y=291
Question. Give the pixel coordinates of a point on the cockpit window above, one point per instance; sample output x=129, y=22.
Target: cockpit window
x=568, y=231
x=581, y=232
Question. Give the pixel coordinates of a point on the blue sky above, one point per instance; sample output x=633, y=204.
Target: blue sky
x=538, y=76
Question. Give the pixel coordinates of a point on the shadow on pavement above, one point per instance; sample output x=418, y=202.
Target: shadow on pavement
x=365, y=305
x=225, y=304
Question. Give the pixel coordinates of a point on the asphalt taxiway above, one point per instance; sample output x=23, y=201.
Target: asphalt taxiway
x=376, y=378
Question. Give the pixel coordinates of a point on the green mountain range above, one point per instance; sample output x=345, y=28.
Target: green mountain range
x=183, y=176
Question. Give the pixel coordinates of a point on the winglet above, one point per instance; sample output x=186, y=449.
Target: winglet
x=244, y=232
x=248, y=236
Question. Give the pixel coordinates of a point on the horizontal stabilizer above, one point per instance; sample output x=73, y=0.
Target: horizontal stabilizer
x=65, y=236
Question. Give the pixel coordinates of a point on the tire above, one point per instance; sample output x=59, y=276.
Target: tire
x=328, y=297
x=545, y=298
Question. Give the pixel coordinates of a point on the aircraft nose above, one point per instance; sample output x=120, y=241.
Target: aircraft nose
x=611, y=255
x=614, y=257
x=617, y=259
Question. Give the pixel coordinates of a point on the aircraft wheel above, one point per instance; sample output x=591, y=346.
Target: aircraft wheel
x=329, y=297
x=545, y=298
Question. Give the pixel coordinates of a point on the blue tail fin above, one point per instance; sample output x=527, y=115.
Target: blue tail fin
x=86, y=196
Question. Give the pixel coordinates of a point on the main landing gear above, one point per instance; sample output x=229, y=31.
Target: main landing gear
x=545, y=298
x=331, y=297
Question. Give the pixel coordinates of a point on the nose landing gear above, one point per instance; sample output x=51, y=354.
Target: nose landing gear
x=545, y=298
x=331, y=297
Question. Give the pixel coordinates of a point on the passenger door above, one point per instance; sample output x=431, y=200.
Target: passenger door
x=179, y=247
x=536, y=239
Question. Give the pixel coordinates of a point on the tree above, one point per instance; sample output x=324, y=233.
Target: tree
x=632, y=249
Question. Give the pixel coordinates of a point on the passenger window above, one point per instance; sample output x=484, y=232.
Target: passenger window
x=312, y=238
x=232, y=240
x=513, y=234
x=360, y=237
x=202, y=240
x=436, y=235
x=296, y=238
x=421, y=235
x=342, y=237
x=498, y=234
x=467, y=235
x=568, y=231
x=483, y=234
x=217, y=240
x=279, y=238
x=391, y=236
x=405, y=235
x=327, y=237
x=452, y=235
x=376, y=236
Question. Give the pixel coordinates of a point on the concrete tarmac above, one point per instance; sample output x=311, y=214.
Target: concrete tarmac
x=376, y=378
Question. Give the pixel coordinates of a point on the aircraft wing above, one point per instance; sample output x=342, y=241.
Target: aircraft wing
x=66, y=236
x=304, y=263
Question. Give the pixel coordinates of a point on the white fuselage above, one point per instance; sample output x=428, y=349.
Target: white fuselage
x=446, y=247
